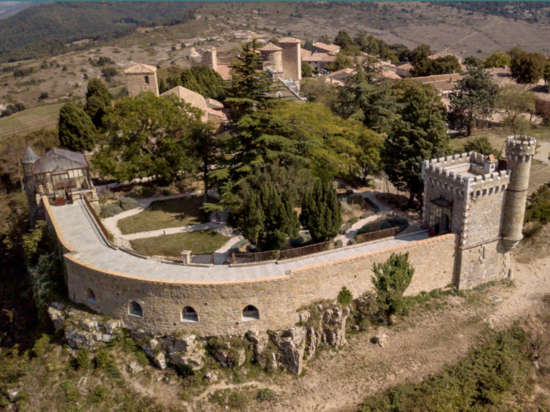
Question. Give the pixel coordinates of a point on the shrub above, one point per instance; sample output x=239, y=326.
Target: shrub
x=390, y=280
x=82, y=360
x=265, y=394
x=127, y=203
x=110, y=210
x=98, y=395
x=538, y=209
x=43, y=95
x=345, y=297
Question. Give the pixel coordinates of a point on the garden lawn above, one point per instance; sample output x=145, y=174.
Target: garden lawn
x=162, y=214
x=199, y=242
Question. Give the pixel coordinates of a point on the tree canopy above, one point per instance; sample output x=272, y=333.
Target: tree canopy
x=527, y=67
x=98, y=101
x=146, y=136
x=76, y=130
x=418, y=133
x=472, y=98
x=321, y=211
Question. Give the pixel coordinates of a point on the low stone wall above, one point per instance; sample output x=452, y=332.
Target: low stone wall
x=219, y=306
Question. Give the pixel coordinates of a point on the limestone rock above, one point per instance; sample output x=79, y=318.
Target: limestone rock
x=160, y=360
x=112, y=326
x=134, y=368
x=57, y=317
x=211, y=377
x=77, y=339
x=89, y=325
x=291, y=345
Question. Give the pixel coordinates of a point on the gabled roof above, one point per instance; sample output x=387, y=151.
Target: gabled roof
x=289, y=40
x=29, y=156
x=270, y=47
x=141, y=68
x=327, y=47
x=59, y=160
x=318, y=57
x=189, y=96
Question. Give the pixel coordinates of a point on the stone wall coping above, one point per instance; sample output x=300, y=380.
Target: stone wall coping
x=415, y=243
x=72, y=258
x=55, y=226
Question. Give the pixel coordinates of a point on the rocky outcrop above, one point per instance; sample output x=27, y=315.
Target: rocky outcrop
x=322, y=324
x=82, y=329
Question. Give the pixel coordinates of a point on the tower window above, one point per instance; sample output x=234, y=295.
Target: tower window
x=147, y=79
x=135, y=309
x=251, y=313
x=189, y=314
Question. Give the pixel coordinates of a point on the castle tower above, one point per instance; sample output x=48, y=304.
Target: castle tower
x=272, y=56
x=141, y=78
x=519, y=152
x=292, y=58
x=210, y=59
x=465, y=194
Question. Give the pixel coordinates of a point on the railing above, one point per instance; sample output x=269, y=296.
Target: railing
x=378, y=234
x=279, y=254
x=103, y=229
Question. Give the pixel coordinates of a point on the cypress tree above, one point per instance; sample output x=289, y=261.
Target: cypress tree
x=98, y=101
x=76, y=130
x=321, y=212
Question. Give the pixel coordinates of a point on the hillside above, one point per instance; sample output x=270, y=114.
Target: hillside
x=46, y=29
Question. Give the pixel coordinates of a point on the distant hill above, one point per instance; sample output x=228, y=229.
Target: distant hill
x=48, y=28
x=9, y=8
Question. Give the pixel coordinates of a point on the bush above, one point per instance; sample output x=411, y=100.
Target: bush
x=43, y=95
x=390, y=280
x=82, y=360
x=127, y=203
x=538, y=209
x=110, y=210
x=265, y=394
x=345, y=297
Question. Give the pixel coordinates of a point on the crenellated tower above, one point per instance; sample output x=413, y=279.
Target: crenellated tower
x=482, y=200
x=519, y=153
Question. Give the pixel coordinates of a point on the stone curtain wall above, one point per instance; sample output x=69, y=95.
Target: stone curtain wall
x=219, y=305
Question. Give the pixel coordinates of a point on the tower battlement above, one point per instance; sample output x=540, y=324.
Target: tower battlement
x=465, y=173
x=520, y=148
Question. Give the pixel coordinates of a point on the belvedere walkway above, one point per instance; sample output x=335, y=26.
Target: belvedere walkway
x=81, y=234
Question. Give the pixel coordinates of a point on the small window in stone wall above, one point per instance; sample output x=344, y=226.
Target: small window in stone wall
x=147, y=79
x=135, y=309
x=189, y=314
x=251, y=313
x=91, y=296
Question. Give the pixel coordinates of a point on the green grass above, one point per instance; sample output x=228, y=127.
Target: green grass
x=163, y=214
x=204, y=241
x=30, y=120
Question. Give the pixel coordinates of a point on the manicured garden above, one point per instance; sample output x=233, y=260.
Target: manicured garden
x=199, y=242
x=163, y=214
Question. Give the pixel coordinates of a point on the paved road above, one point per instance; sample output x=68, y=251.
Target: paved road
x=81, y=235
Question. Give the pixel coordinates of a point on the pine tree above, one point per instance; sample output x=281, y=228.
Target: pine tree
x=321, y=211
x=76, y=130
x=473, y=97
x=249, y=84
